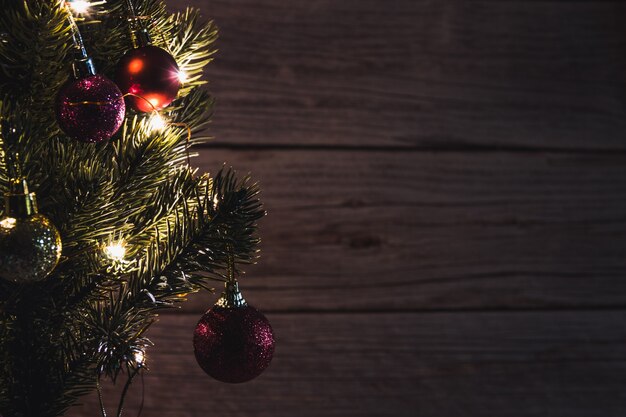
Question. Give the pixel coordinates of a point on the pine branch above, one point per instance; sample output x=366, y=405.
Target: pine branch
x=190, y=249
x=90, y=316
x=33, y=66
x=191, y=44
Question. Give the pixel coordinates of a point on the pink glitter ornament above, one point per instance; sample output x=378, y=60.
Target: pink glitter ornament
x=233, y=341
x=90, y=109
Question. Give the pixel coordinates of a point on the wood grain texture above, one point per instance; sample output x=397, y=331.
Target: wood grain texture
x=440, y=242
x=453, y=364
x=406, y=231
x=419, y=74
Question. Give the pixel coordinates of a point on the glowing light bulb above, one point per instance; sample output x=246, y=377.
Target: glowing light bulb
x=182, y=77
x=8, y=223
x=157, y=123
x=116, y=250
x=139, y=357
x=80, y=6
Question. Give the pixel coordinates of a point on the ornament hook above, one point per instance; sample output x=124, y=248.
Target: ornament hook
x=139, y=34
x=83, y=65
x=231, y=297
x=230, y=266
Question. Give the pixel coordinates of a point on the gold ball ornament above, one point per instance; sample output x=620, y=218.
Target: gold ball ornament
x=30, y=245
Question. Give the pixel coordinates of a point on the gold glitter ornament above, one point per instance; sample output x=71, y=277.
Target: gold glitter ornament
x=30, y=245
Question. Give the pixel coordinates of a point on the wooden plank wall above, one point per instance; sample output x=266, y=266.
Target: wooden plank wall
x=446, y=187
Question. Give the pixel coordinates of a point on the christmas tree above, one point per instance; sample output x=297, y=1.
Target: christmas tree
x=105, y=222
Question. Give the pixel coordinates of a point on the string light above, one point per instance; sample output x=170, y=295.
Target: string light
x=156, y=123
x=82, y=6
x=139, y=357
x=116, y=250
x=8, y=223
x=182, y=77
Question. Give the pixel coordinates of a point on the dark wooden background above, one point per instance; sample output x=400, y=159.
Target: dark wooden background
x=446, y=187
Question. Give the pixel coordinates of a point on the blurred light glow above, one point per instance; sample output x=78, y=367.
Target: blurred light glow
x=83, y=6
x=8, y=223
x=139, y=357
x=135, y=66
x=182, y=77
x=116, y=250
x=147, y=102
x=80, y=6
x=157, y=123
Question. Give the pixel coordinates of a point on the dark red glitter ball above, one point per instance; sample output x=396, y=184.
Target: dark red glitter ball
x=150, y=73
x=90, y=109
x=233, y=344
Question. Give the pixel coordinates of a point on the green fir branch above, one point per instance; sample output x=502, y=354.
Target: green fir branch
x=89, y=318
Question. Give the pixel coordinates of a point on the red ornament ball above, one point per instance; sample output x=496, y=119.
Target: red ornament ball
x=150, y=73
x=233, y=344
x=90, y=109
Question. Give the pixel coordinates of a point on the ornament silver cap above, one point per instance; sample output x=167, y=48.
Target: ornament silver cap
x=19, y=202
x=231, y=297
x=139, y=35
x=141, y=38
x=83, y=67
